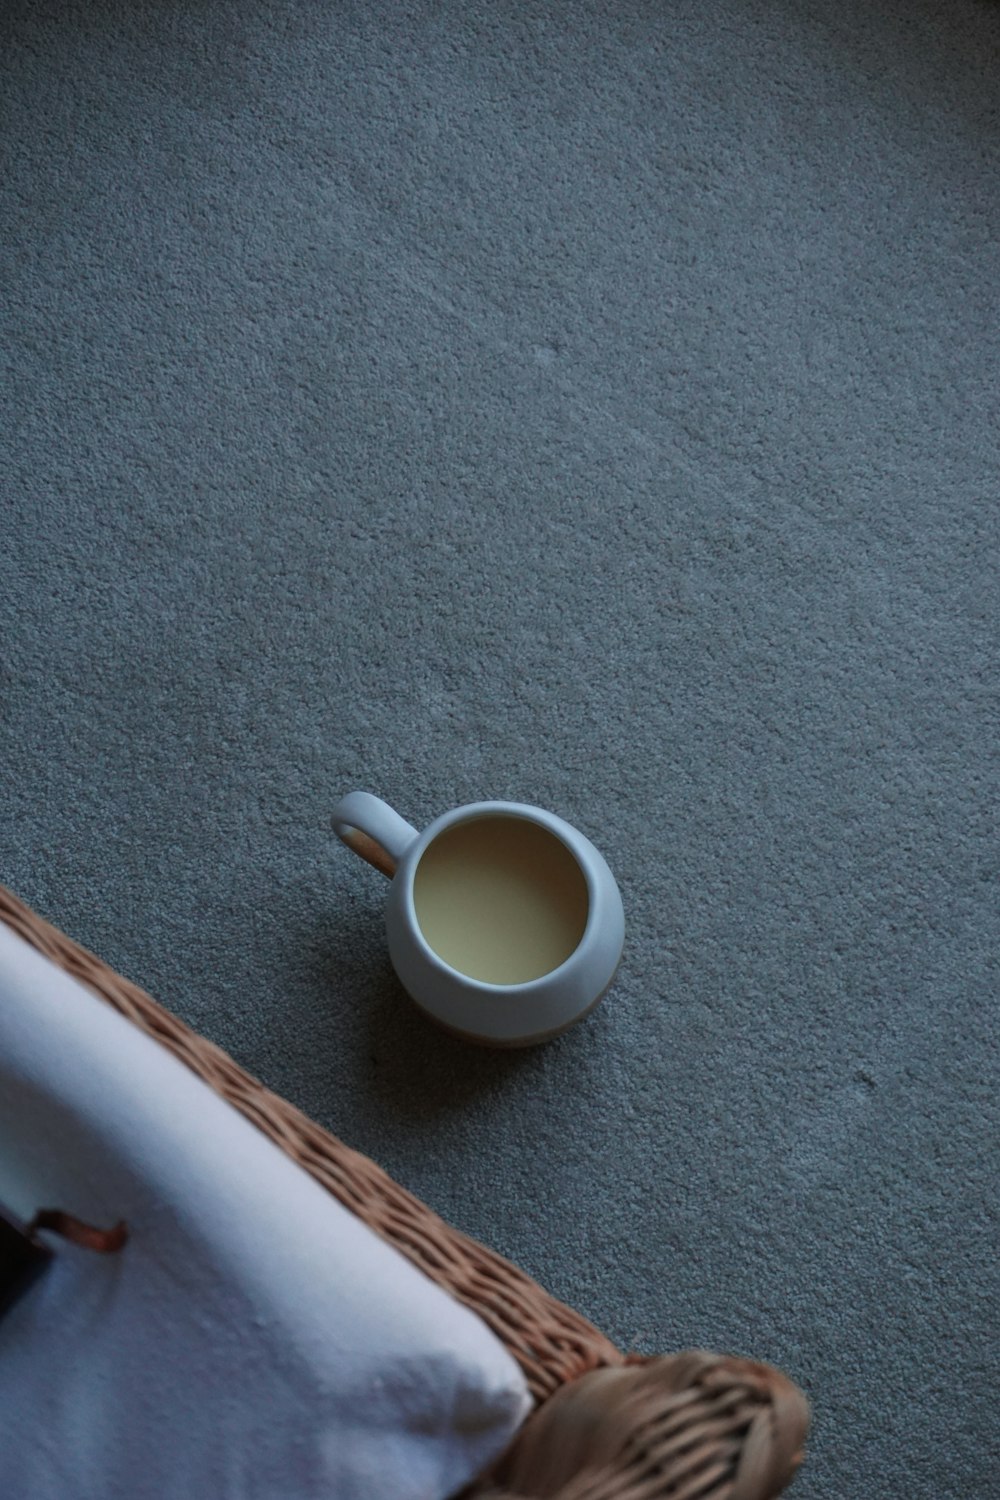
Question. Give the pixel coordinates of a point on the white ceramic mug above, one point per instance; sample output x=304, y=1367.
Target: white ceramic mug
x=504, y=923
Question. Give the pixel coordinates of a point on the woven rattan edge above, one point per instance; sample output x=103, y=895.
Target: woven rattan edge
x=691, y=1426
x=551, y=1342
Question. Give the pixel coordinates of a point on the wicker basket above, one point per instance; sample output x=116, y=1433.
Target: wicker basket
x=692, y=1426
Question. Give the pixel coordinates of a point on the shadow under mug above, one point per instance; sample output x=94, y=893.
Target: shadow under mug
x=505, y=924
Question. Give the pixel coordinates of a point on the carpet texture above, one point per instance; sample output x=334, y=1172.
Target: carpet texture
x=590, y=405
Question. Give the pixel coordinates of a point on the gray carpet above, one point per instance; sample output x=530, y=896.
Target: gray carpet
x=589, y=404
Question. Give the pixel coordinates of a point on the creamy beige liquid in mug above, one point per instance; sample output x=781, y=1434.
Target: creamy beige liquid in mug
x=501, y=899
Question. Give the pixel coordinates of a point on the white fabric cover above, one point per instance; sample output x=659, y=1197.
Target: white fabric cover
x=253, y=1339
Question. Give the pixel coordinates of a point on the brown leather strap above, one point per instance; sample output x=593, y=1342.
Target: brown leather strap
x=105, y=1241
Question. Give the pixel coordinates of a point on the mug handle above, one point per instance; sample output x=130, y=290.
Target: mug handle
x=372, y=829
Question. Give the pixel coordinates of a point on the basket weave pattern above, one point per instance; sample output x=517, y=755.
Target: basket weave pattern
x=551, y=1342
x=692, y=1426
x=684, y=1426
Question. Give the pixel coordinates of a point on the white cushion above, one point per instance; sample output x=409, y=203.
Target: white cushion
x=253, y=1340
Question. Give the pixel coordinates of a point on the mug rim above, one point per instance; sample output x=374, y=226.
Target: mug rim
x=472, y=812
